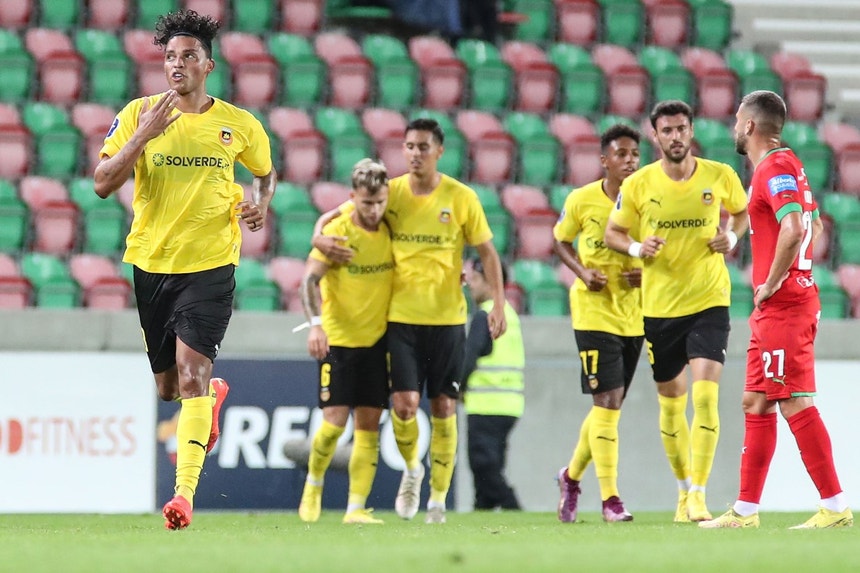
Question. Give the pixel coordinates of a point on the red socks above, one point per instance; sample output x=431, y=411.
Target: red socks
x=759, y=446
x=815, y=450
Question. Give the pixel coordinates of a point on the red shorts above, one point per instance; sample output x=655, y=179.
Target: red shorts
x=781, y=357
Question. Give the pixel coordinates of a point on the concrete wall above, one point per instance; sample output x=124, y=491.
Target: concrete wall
x=543, y=440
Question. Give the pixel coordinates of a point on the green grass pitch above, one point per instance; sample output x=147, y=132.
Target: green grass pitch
x=492, y=542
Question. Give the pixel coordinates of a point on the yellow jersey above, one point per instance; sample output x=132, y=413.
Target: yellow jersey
x=184, y=192
x=428, y=234
x=356, y=295
x=685, y=277
x=617, y=307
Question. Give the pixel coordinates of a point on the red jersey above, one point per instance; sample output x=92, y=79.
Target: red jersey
x=779, y=186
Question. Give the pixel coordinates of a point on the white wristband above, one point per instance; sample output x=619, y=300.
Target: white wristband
x=316, y=321
x=635, y=249
x=733, y=239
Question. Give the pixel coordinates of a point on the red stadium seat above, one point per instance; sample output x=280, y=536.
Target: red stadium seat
x=386, y=128
x=805, y=95
x=111, y=293
x=88, y=269
x=15, y=149
x=534, y=234
x=566, y=127
x=61, y=68
x=565, y=275
x=443, y=75
x=627, y=83
x=93, y=121
x=148, y=59
x=256, y=244
x=839, y=135
x=849, y=279
x=15, y=13
x=217, y=9
x=520, y=200
x=716, y=84
x=255, y=72
x=8, y=266
x=787, y=64
x=700, y=60
x=327, y=195
x=578, y=21
x=491, y=149
x=38, y=191
x=55, y=227
x=537, y=80
x=302, y=17
x=668, y=22
x=824, y=246
x=582, y=158
x=303, y=147
x=9, y=116
x=350, y=73
x=107, y=14
x=287, y=273
x=848, y=167
x=15, y=292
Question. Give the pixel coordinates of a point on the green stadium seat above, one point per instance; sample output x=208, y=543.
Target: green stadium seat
x=531, y=274
x=51, y=280
x=296, y=217
x=606, y=121
x=490, y=77
x=254, y=290
x=798, y=133
x=499, y=219
x=348, y=142
x=557, y=196
x=14, y=219
x=669, y=78
x=148, y=12
x=290, y=198
x=347, y=10
x=396, y=73
x=109, y=69
x=844, y=209
x=582, y=82
x=539, y=24
x=623, y=22
x=548, y=301
x=710, y=132
x=539, y=151
x=59, y=15
x=818, y=164
x=254, y=16
x=834, y=300
x=104, y=219
x=712, y=23
x=57, y=141
x=303, y=74
x=753, y=70
x=16, y=68
x=219, y=80
x=742, y=294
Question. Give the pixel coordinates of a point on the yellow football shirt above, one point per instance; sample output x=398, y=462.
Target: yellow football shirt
x=617, y=308
x=356, y=295
x=429, y=233
x=184, y=193
x=685, y=277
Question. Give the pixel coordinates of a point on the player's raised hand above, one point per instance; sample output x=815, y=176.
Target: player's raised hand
x=154, y=119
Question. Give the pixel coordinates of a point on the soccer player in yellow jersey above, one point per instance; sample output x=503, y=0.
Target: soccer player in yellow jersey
x=348, y=318
x=606, y=311
x=668, y=214
x=184, y=240
x=432, y=217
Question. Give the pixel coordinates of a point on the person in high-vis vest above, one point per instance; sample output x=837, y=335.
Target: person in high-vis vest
x=493, y=394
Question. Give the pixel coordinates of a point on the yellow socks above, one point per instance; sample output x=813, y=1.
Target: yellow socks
x=443, y=452
x=705, y=432
x=582, y=453
x=362, y=467
x=603, y=437
x=406, y=436
x=192, y=435
x=675, y=434
x=322, y=450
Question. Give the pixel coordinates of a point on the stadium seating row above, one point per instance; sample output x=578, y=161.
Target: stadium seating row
x=46, y=139
x=335, y=69
x=668, y=23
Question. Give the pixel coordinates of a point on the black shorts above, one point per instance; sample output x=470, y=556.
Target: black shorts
x=608, y=360
x=196, y=307
x=355, y=376
x=672, y=342
x=426, y=355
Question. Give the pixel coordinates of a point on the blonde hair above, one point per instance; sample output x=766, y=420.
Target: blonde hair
x=370, y=174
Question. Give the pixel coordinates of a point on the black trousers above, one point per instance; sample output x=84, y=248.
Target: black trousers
x=488, y=447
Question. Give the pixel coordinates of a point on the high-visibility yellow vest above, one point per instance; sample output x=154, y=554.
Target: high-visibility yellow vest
x=496, y=386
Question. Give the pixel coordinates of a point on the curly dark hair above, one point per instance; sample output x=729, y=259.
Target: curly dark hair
x=186, y=23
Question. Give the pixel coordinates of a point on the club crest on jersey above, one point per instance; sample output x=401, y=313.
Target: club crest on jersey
x=593, y=382
x=113, y=127
x=618, y=202
x=780, y=183
x=226, y=135
x=707, y=197
x=445, y=216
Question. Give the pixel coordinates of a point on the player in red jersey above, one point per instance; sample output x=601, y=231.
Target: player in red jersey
x=784, y=223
